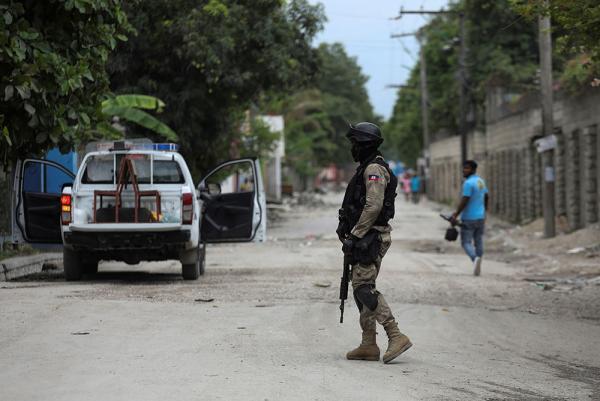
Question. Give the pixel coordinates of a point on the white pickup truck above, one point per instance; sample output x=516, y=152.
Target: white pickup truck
x=135, y=203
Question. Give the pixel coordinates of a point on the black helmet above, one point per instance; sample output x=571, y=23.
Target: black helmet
x=365, y=133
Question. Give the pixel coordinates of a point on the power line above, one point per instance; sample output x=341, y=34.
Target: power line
x=462, y=69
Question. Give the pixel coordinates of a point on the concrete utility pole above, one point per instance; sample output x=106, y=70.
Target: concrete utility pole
x=462, y=81
x=545, y=45
x=424, y=100
x=462, y=76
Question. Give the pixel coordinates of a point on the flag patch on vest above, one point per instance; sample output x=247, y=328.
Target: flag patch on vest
x=374, y=177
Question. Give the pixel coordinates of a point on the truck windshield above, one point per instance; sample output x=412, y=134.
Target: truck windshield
x=100, y=169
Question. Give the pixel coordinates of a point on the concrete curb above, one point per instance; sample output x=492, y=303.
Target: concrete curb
x=20, y=266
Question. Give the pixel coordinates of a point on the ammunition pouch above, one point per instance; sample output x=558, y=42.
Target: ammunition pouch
x=366, y=250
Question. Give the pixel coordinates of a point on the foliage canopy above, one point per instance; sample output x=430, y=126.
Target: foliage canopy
x=131, y=109
x=317, y=117
x=502, y=50
x=209, y=60
x=52, y=68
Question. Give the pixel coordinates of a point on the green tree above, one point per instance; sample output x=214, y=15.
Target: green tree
x=208, y=60
x=502, y=51
x=403, y=129
x=317, y=117
x=130, y=109
x=52, y=68
x=576, y=35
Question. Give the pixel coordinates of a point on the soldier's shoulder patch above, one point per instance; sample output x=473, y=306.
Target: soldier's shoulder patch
x=374, y=177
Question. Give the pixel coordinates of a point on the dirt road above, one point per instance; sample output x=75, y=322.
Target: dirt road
x=262, y=324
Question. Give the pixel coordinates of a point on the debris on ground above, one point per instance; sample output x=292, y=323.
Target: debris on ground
x=503, y=308
x=306, y=199
x=573, y=251
x=430, y=249
x=565, y=284
x=49, y=266
x=80, y=333
x=264, y=305
x=323, y=284
x=204, y=299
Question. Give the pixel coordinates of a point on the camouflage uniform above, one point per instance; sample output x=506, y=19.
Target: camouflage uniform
x=376, y=179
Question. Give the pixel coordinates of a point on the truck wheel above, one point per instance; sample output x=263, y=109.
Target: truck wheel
x=192, y=271
x=90, y=267
x=72, y=265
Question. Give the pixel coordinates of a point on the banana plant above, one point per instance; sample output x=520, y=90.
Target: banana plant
x=131, y=108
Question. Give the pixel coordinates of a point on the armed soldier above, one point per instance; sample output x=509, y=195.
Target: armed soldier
x=365, y=233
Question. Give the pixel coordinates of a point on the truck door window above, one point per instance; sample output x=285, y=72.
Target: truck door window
x=234, y=178
x=43, y=178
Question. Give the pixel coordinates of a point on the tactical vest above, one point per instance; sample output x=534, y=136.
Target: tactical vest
x=356, y=197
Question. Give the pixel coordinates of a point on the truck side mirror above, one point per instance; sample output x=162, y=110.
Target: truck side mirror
x=214, y=188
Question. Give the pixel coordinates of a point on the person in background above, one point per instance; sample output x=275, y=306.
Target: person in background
x=473, y=206
x=415, y=188
x=405, y=184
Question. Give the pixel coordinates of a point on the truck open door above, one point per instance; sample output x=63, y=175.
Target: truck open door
x=234, y=203
x=36, y=207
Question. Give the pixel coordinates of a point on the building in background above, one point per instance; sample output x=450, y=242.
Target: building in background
x=272, y=171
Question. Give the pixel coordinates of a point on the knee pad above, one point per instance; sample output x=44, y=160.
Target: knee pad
x=359, y=304
x=367, y=296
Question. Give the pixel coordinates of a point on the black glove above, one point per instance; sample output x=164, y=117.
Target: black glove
x=349, y=242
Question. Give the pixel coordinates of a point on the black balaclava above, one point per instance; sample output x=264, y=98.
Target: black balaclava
x=361, y=153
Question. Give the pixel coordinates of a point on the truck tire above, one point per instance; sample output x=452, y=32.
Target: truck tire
x=191, y=271
x=90, y=267
x=72, y=265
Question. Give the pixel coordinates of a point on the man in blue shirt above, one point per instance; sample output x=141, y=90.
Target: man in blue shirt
x=473, y=206
x=415, y=188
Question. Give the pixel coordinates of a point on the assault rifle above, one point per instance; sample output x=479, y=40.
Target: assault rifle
x=344, y=282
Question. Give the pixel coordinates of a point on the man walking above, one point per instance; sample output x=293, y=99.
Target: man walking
x=364, y=230
x=415, y=188
x=473, y=206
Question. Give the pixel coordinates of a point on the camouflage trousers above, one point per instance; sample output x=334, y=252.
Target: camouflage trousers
x=366, y=274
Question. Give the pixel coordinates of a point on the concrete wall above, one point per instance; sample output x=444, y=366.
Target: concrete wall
x=512, y=167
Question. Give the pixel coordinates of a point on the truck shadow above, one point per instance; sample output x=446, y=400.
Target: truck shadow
x=114, y=277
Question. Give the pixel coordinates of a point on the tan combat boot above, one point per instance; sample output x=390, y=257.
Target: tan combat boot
x=367, y=350
x=397, y=342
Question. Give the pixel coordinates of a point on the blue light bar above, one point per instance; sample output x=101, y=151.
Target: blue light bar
x=164, y=147
x=168, y=147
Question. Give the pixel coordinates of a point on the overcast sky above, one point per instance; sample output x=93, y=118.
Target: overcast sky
x=364, y=27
